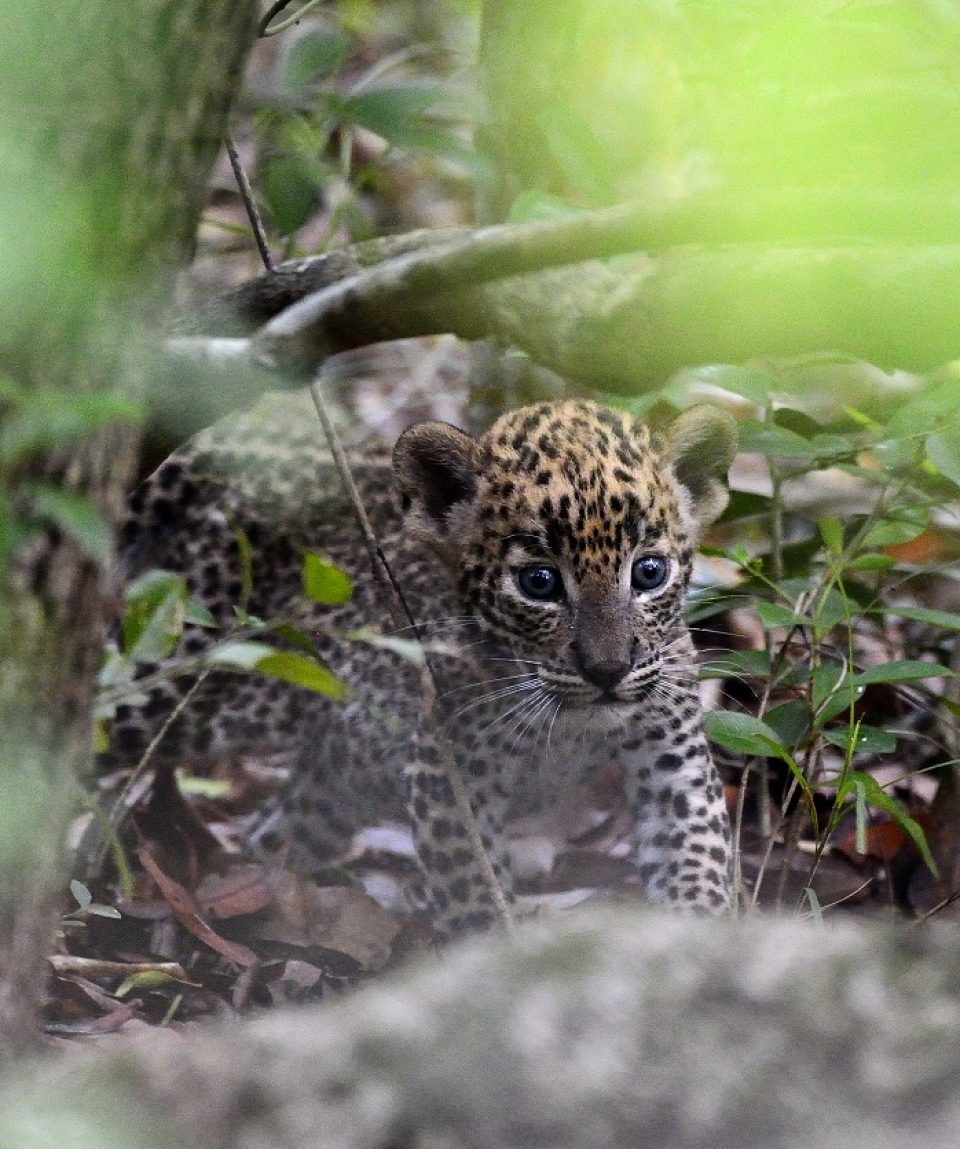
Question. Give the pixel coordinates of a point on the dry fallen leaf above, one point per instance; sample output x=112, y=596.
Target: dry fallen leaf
x=246, y=889
x=187, y=913
x=340, y=918
x=884, y=840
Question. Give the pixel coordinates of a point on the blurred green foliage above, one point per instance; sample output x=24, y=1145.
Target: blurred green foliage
x=806, y=116
x=355, y=87
x=49, y=231
x=60, y=260
x=628, y=96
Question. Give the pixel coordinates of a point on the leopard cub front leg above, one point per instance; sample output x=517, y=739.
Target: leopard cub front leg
x=684, y=849
x=467, y=880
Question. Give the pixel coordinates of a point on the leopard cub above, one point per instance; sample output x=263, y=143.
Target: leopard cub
x=545, y=563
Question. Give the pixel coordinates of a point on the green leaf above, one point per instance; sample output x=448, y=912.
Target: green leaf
x=116, y=670
x=943, y=450
x=872, y=561
x=828, y=447
x=243, y=655
x=532, y=204
x=905, y=670
x=743, y=733
x=290, y=185
x=407, y=115
x=76, y=516
x=156, y=611
x=778, y=442
x=839, y=703
x=147, y=979
x=709, y=602
x=574, y=147
x=874, y=793
x=737, y=664
x=860, y=816
x=944, y=619
x=81, y=894
x=771, y=614
x=825, y=680
x=407, y=648
x=299, y=670
x=789, y=720
x=246, y=567
x=296, y=638
x=934, y=405
x=748, y=735
x=864, y=739
x=896, y=454
x=833, y=609
x=751, y=385
x=101, y=732
x=313, y=57
x=198, y=615
x=831, y=693
x=831, y=531
x=325, y=583
x=204, y=787
x=51, y=417
x=816, y=911
x=892, y=532
x=98, y=910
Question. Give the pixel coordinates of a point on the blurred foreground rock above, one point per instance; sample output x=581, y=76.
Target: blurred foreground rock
x=603, y=1029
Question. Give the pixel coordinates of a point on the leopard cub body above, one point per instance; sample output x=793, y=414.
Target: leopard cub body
x=545, y=564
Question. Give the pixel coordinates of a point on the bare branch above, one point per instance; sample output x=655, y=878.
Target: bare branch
x=265, y=29
x=223, y=353
x=687, y=293
x=249, y=203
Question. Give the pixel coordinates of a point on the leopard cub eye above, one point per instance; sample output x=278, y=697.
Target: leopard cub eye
x=540, y=583
x=649, y=572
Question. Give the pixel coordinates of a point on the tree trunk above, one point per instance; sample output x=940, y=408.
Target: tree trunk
x=116, y=113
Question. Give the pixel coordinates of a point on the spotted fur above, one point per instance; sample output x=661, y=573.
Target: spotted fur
x=545, y=563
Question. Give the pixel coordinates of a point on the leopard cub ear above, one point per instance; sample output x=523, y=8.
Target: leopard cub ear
x=436, y=467
x=700, y=445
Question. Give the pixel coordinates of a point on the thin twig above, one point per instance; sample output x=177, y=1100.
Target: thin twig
x=402, y=616
x=272, y=11
x=461, y=798
x=370, y=302
x=790, y=842
x=121, y=807
x=201, y=351
x=845, y=898
x=188, y=664
x=941, y=905
x=250, y=204
x=771, y=842
x=400, y=612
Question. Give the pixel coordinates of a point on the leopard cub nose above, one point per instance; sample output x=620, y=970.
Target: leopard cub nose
x=605, y=673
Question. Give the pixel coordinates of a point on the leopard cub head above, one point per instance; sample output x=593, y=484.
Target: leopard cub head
x=570, y=530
